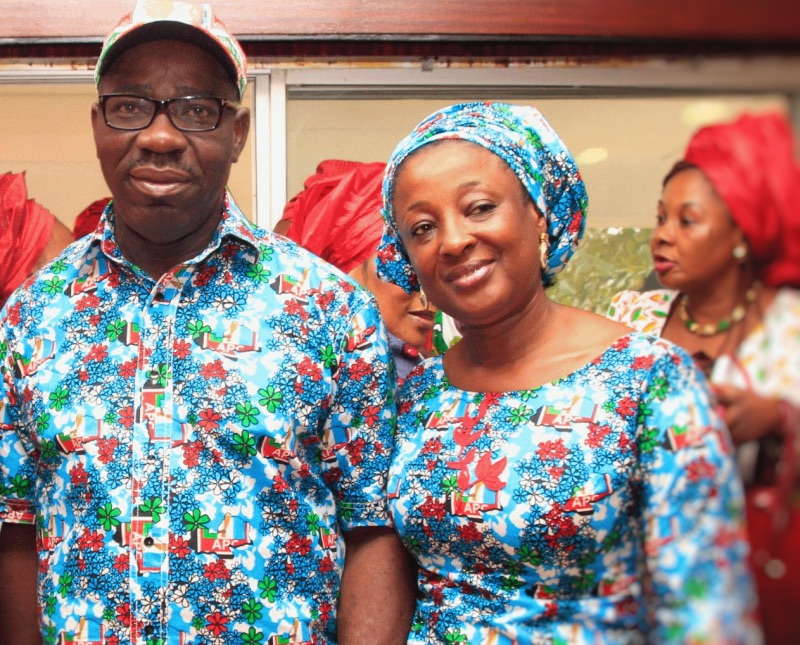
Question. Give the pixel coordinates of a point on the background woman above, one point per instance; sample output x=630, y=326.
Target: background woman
x=558, y=477
x=337, y=216
x=727, y=247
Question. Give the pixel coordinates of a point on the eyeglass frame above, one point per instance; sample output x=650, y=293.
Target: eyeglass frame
x=162, y=105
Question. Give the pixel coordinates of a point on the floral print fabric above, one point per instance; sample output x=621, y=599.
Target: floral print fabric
x=600, y=508
x=191, y=450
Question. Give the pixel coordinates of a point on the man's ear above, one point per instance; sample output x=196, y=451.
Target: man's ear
x=241, y=127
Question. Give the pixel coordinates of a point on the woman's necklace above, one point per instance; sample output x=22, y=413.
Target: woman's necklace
x=737, y=315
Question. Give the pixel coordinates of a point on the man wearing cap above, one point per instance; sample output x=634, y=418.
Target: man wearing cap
x=196, y=414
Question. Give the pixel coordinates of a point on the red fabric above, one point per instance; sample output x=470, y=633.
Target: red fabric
x=337, y=214
x=751, y=164
x=25, y=230
x=87, y=219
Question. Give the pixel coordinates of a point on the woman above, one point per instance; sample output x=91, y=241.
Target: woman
x=727, y=247
x=30, y=235
x=337, y=216
x=559, y=478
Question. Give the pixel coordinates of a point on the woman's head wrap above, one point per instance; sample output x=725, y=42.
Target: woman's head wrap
x=25, y=230
x=337, y=214
x=528, y=144
x=751, y=164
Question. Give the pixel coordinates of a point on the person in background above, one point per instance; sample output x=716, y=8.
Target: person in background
x=88, y=219
x=558, y=476
x=726, y=247
x=338, y=217
x=30, y=235
x=197, y=414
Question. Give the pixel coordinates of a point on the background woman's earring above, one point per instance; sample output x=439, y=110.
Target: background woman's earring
x=740, y=252
x=544, y=246
x=423, y=299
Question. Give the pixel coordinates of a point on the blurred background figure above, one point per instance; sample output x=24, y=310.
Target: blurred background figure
x=337, y=217
x=88, y=218
x=30, y=235
x=727, y=248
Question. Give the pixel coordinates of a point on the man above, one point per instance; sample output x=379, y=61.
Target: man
x=196, y=413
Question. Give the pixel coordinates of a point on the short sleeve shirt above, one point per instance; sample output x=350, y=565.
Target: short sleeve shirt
x=192, y=449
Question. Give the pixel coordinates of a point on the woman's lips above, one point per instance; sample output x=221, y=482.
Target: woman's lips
x=662, y=265
x=468, y=275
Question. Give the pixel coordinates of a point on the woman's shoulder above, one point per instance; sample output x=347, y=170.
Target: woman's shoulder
x=645, y=311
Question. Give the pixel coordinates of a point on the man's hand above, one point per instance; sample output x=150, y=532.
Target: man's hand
x=19, y=567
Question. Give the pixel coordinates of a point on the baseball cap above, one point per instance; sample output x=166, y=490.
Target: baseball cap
x=174, y=20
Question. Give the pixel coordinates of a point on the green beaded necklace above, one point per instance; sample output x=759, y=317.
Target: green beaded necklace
x=737, y=315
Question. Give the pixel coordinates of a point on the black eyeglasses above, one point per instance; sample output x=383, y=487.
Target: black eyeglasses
x=186, y=113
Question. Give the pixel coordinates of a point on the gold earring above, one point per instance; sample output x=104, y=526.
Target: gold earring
x=423, y=299
x=740, y=252
x=544, y=247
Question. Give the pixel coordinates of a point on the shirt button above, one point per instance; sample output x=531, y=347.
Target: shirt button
x=148, y=541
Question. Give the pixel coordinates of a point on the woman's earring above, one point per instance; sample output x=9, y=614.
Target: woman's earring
x=544, y=247
x=740, y=252
x=423, y=299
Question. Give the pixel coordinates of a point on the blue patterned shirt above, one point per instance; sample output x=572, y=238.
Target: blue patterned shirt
x=191, y=449
x=604, y=507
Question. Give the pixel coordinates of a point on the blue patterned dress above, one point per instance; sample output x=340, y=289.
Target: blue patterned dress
x=600, y=508
x=192, y=449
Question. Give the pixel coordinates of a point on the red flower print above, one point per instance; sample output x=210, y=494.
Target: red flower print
x=216, y=570
x=106, y=448
x=700, y=469
x=128, y=369
x=178, y=546
x=83, y=375
x=279, y=484
x=209, y=420
x=596, y=436
x=295, y=308
x=298, y=544
x=469, y=533
x=325, y=610
x=126, y=416
x=360, y=369
x=332, y=476
x=325, y=565
x=622, y=343
x=214, y=370
x=87, y=302
x=324, y=300
x=308, y=367
x=643, y=362
x=432, y=446
x=181, y=348
x=121, y=563
x=432, y=508
x=78, y=475
x=626, y=407
x=98, y=353
x=123, y=613
x=552, y=450
x=217, y=623
x=371, y=414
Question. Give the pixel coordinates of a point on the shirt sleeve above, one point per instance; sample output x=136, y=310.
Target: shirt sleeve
x=17, y=456
x=693, y=506
x=358, y=435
